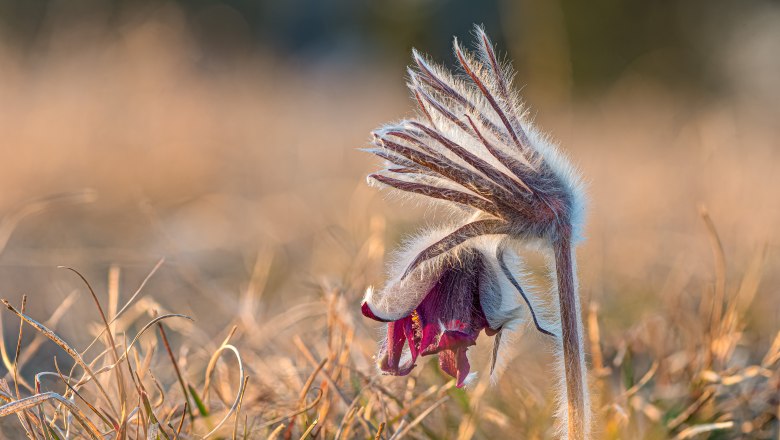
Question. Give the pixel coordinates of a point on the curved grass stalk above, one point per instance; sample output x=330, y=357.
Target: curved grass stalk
x=239, y=395
x=37, y=399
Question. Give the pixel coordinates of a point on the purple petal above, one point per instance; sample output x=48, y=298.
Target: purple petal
x=456, y=364
x=391, y=352
x=368, y=313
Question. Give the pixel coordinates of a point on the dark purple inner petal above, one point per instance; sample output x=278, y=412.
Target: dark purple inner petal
x=393, y=350
x=456, y=364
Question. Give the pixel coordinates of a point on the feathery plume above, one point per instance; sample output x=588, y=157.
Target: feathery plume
x=473, y=147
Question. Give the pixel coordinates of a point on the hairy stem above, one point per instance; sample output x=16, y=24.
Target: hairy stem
x=577, y=400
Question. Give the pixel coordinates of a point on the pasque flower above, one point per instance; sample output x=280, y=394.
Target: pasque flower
x=443, y=308
x=472, y=147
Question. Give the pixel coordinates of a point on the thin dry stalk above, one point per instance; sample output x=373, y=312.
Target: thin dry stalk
x=120, y=381
x=32, y=401
x=720, y=265
x=62, y=344
x=401, y=433
x=127, y=304
x=693, y=431
x=313, y=404
x=469, y=424
x=275, y=433
x=238, y=409
x=175, y=368
x=379, y=431
x=241, y=387
x=32, y=347
x=309, y=429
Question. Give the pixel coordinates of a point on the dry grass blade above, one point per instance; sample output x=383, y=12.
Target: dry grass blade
x=7, y=362
x=238, y=410
x=129, y=302
x=421, y=397
x=720, y=266
x=275, y=433
x=309, y=382
x=241, y=388
x=62, y=344
x=350, y=412
x=642, y=382
x=309, y=429
x=751, y=281
x=120, y=381
x=693, y=431
x=773, y=354
x=468, y=426
x=175, y=368
x=18, y=349
x=346, y=423
x=213, y=362
x=313, y=362
x=61, y=310
x=314, y=403
x=418, y=419
x=29, y=402
x=154, y=422
x=594, y=338
x=184, y=412
x=691, y=409
x=27, y=424
x=147, y=327
x=91, y=375
x=73, y=390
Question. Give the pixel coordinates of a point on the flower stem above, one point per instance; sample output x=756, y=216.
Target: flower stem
x=577, y=400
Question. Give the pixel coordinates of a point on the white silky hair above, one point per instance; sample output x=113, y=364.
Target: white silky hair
x=453, y=209
x=400, y=296
x=504, y=307
x=502, y=304
x=561, y=414
x=453, y=132
x=569, y=175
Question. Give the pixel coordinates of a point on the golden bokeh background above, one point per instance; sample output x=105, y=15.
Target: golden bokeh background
x=223, y=136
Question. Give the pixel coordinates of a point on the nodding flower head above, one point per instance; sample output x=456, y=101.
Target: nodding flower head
x=443, y=306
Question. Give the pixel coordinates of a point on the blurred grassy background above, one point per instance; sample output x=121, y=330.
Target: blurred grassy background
x=222, y=135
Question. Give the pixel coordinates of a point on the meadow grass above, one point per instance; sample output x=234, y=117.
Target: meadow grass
x=307, y=372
